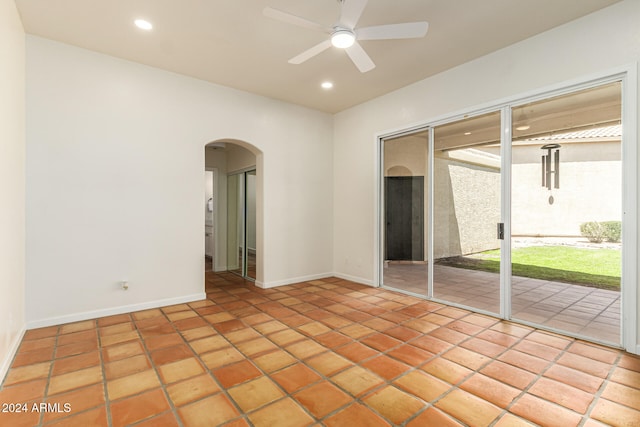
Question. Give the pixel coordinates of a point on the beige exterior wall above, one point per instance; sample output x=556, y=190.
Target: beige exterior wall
x=466, y=207
x=590, y=189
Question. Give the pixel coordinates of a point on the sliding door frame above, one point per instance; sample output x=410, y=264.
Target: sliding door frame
x=629, y=281
x=505, y=212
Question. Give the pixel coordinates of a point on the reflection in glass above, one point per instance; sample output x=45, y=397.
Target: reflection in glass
x=250, y=224
x=235, y=221
x=241, y=224
x=405, y=212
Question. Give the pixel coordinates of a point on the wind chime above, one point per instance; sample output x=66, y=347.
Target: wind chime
x=547, y=171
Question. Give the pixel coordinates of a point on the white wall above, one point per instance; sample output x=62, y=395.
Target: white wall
x=594, y=44
x=217, y=158
x=107, y=139
x=239, y=158
x=12, y=187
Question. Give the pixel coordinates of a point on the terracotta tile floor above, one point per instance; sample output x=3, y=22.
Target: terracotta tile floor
x=327, y=352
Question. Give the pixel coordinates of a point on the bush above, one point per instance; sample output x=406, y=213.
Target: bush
x=593, y=231
x=597, y=232
x=613, y=230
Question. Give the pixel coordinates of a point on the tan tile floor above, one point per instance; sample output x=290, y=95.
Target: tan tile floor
x=327, y=352
x=579, y=310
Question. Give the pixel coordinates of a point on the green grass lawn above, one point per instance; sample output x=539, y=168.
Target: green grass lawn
x=592, y=267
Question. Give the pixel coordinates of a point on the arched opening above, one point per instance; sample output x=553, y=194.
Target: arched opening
x=233, y=209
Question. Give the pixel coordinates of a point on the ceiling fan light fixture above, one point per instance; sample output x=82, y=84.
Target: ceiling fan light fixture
x=143, y=24
x=343, y=38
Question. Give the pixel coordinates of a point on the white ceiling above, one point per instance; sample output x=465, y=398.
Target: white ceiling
x=231, y=42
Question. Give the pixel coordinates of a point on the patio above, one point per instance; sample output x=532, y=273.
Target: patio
x=578, y=310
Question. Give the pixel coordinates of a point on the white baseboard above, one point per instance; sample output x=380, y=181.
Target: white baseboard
x=267, y=285
x=8, y=358
x=76, y=317
x=355, y=279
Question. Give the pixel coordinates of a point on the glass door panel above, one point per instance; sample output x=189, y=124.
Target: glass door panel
x=566, y=212
x=405, y=227
x=235, y=223
x=241, y=224
x=250, y=224
x=467, y=212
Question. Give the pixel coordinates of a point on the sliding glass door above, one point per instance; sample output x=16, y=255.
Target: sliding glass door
x=515, y=212
x=566, y=212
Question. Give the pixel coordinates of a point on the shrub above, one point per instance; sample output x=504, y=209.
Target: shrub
x=597, y=232
x=613, y=230
x=593, y=231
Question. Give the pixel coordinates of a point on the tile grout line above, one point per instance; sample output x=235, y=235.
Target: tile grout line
x=355, y=399
x=244, y=415
x=525, y=390
x=601, y=313
x=389, y=382
x=54, y=359
x=209, y=371
x=103, y=369
x=598, y=394
x=173, y=409
x=454, y=345
x=299, y=360
x=456, y=386
x=50, y=374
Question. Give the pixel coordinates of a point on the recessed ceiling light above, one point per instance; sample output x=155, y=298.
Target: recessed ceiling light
x=326, y=85
x=467, y=133
x=523, y=127
x=143, y=24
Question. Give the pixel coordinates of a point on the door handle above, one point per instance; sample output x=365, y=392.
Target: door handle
x=500, y=230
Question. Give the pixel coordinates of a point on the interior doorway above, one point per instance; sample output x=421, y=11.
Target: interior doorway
x=232, y=209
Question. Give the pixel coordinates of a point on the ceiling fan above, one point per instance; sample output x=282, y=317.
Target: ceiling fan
x=345, y=35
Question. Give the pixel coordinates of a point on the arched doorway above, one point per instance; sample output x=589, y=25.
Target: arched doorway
x=233, y=214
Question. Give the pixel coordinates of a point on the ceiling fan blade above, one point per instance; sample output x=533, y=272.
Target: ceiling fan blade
x=351, y=11
x=294, y=20
x=310, y=53
x=360, y=58
x=410, y=30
